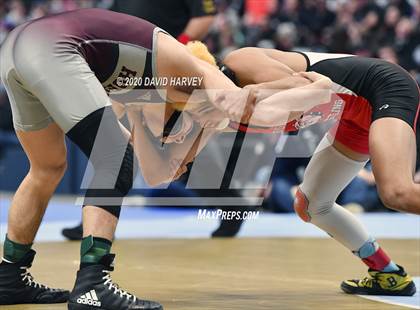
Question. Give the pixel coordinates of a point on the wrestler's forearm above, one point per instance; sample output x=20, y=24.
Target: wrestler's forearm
x=214, y=81
x=153, y=161
x=192, y=146
x=285, y=83
x=268, y=89
x=300, y=98
x=279, y=108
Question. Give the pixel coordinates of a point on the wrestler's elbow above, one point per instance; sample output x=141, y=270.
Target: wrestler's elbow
x=238, y=60
x=234, y=58
x=152, y=181
x=154, y=178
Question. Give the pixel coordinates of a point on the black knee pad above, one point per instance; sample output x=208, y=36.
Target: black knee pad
x=100, y=138
x=112, y=199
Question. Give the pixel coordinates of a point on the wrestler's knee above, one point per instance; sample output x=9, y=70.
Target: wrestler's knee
x=111, y=199
x=309, y=208
x=50, y=173
x=301, y=205
x=395, y=196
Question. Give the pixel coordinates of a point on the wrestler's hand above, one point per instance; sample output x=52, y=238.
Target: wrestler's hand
x=238, y=105
x=258, y=92
x=208, y=116
x=311, y=76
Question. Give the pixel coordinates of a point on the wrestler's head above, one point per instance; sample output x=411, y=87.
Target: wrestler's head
x=179, y=118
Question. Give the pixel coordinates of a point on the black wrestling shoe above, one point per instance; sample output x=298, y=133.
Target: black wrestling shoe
x=17, y=286
x=395, y=283
x=227, y=228
x=73, y=233
x=94, y=289
x=230, y=228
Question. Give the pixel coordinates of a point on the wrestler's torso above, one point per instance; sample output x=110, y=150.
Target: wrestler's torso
x=120, y=49
x=368, y=86
x=361, y=87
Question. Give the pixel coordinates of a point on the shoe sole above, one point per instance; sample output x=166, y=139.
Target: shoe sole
x=5, y=301
x=73, y=306
x=31, y=303
x=409, y=290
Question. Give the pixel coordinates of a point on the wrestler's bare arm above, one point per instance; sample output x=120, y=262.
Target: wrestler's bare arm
x=253, y=66
x=157, y=162
x=164, y=163
x=280, y=93
x=174, y=60
x=279, y=108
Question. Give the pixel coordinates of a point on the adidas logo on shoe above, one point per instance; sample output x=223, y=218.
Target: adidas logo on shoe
x=90, y=299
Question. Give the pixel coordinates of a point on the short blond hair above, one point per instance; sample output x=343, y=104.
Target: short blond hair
x=201, y=51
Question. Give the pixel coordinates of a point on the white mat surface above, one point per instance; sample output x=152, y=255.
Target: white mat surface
x=408, y=302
